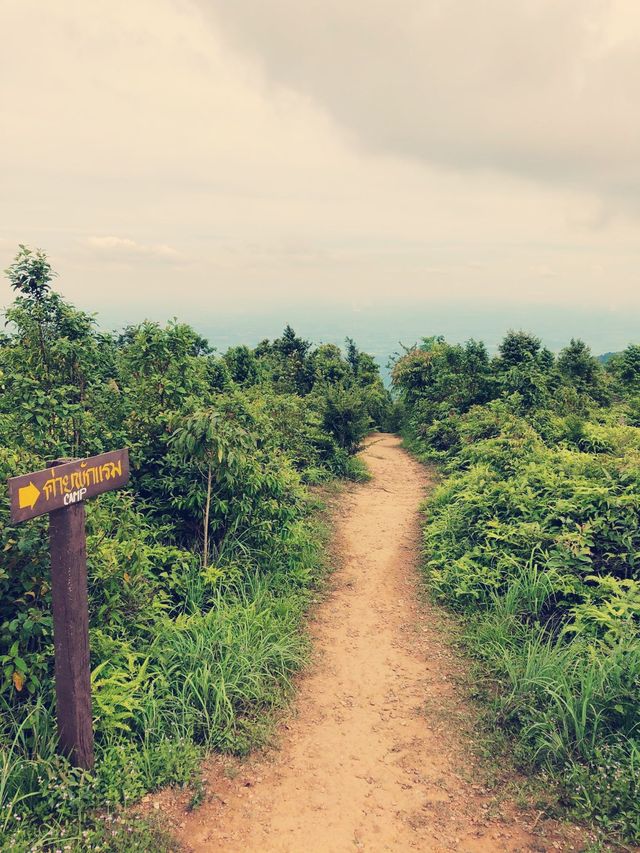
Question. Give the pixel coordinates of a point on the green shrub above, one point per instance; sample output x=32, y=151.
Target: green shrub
x=198, y=572
x=345, y=416
x=533, y=538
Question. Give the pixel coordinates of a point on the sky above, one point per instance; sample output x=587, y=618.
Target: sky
x=212, y=159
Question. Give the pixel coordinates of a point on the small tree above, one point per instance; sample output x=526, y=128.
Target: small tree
x=328, y=364
x=214, y=443
x=579, y=367
x=198, y=441
x=627, y=367
x=30, y=273
x=345, y=416
x=291, y=368
x=517, y=348
x=242, y=365
x=52, y=356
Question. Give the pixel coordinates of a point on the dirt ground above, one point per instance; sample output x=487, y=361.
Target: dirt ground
x=374, y=754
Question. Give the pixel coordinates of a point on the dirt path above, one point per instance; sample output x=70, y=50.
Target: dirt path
x=372, y=758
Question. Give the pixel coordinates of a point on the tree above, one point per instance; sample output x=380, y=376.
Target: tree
x=627, y=367
x=328, y=364
x=53, y=358
x=345, y=416
x=446, y=376
x=291, y=369
x=242, y=365
x=363, y=366
x=524, y=367
x=579, y=366
x=352, y=355
x=30, y=273
x=210, y=439
x=290, y=345
x=477, y=369
x=517, y=348
x=162, y=370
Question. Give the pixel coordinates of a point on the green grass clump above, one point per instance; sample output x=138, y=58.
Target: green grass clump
x=205, y=680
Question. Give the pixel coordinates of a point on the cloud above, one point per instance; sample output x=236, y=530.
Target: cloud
x=542, y=271
x=203, y=155
x=123, y=249
x=543, y=89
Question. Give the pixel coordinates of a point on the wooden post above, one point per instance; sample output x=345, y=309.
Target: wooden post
x=68, y=544
x=60, y=489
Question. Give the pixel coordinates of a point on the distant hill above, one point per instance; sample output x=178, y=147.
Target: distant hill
x=606, y=356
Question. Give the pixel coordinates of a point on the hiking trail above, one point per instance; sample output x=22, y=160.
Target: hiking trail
x=374, y=754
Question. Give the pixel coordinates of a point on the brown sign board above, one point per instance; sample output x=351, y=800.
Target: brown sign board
x=67, y=484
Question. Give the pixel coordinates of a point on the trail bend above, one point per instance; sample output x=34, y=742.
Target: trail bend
x=373, y=755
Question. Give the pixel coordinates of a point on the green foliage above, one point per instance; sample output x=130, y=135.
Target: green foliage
x=533, y=538
x=518, y=348
x=625, y=367
x=199, y=572
x=441, y=377
x=581, y=368
x=30, y=273
x=607, y=788
x=345, y=416
x=242, y=365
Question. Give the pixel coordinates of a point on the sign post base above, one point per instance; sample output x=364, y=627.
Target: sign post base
x=68, y=544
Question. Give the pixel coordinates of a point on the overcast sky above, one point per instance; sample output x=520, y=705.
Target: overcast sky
x=202, y=155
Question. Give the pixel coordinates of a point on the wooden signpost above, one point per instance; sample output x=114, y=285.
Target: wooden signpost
x=60, y=490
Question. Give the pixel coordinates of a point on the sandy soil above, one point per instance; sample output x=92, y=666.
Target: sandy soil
x=374, y=755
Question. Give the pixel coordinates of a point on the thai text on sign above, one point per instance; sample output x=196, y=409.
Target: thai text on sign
x=53, y=488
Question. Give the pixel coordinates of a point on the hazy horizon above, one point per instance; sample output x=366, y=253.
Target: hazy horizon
x=381, y=331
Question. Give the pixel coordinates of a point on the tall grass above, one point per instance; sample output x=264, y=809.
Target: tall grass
x=15, y=764
x=571, y=706
x=206, y=680
x=222, y=666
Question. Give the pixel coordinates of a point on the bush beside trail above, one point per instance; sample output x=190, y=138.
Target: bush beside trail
x=199, y=573
x=533, y=537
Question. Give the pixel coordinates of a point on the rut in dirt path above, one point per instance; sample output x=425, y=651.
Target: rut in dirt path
x=363, y=763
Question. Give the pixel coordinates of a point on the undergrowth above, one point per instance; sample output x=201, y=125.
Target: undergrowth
x=532, y=539
x=199, y=572
x=204, y=680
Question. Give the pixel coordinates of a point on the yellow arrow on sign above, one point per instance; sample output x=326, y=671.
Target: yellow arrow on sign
x=28, y=495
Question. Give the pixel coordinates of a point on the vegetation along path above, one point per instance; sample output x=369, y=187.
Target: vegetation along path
x=374, y=757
